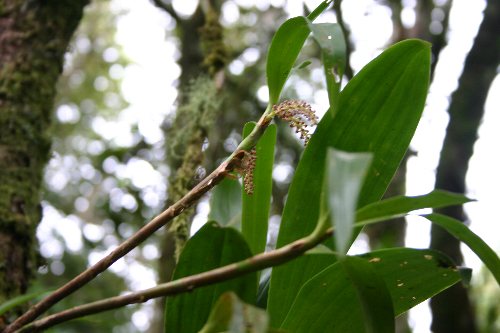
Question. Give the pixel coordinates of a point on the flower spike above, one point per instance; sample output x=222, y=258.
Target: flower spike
x=299, y=115
x=249, y=167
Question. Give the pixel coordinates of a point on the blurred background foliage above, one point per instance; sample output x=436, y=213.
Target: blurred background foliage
x=111, y=167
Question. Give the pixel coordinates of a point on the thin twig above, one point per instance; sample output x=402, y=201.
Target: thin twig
x=166, y=216
x=167, y=7
x=186, y=284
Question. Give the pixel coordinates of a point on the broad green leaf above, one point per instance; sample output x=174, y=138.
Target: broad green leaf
x=413, y=275
x=329, y=303
x=326, y=303
x=375, y=299
x=330, y=39
x=232, y=315
x=225, y=203
x=476, y=244
x=20, y=300
x=309, y=265
x=255, y=213
x=285, y=48
x=401, y=205
x=290, y=36
x=211, y=247
x=344, y=176
x=373, y=116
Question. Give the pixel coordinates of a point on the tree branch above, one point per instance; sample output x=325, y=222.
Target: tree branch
x=345, y=30
x=439, y=41
x=187, y=284
x=166, y=216
x=167, y=7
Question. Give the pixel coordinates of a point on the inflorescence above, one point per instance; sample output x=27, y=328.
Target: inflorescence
x=299, y=115
x=249, y=167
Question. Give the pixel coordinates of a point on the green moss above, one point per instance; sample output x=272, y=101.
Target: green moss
x=212, y=43
x=191, y=124
x=31, y=61
x=185, y=139
x=197, y=114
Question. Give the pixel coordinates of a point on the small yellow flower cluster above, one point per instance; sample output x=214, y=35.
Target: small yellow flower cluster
x=299, y=115
x=249, y=167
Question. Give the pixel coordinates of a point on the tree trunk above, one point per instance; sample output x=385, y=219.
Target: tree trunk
x=452, y=310
x=202, y=54
x=34, y=36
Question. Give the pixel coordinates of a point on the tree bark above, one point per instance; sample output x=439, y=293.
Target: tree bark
x=452, y=310
x=34, y=36
x=198, y=36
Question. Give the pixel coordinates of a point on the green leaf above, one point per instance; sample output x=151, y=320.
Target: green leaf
x=320, y=9
x=20, y=300
x=373, y=295
x=476, y=244
x=330, y=39
x=211, y=247
x=413, y=275
x=326, y=303
x=373, y=116
x=303, y=65
x=225, y=203
x=286, y=285
x=401, y=205
x=329, y=301
x=232, y=315
x=290, y=36
x=344, y=177
x=255, y=213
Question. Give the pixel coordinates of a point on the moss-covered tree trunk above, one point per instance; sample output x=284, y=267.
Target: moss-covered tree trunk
x=34, y=36
x=452, y=309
